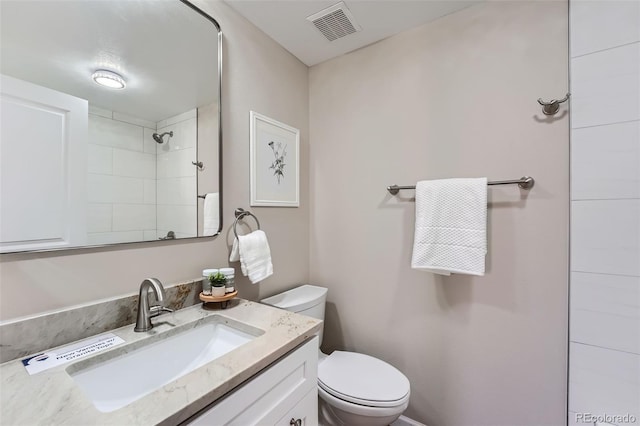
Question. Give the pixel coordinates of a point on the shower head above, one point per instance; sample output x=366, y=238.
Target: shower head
x=158, y=138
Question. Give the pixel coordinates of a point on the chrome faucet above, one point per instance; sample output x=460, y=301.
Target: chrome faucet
x=146, y=312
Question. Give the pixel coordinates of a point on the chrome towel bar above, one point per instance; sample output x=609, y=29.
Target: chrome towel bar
x=525, y=182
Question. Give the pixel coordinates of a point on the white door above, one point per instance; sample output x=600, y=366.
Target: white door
x=43, y=163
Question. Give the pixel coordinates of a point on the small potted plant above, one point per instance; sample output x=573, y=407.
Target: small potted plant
x=218, y=282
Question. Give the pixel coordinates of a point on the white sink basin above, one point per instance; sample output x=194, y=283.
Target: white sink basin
x=133, y=372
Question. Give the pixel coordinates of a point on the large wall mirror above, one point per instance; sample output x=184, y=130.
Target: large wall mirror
x=110, y=123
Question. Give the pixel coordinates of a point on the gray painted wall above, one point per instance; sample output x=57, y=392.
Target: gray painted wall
x=453, y=98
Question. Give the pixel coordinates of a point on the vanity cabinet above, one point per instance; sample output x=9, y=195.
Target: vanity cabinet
x=305, y=411
x=281, y=394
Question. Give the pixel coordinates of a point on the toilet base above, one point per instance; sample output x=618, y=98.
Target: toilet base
x=333, y=416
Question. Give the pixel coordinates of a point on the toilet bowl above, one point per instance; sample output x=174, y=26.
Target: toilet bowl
x=354, y=389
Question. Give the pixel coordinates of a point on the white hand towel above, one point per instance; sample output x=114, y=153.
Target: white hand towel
x=451, y=226
x=235, y=256
x=211, y=212
x=235, y=252
x=255, y=256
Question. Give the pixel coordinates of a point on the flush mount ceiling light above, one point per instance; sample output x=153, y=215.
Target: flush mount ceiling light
x=108, y=79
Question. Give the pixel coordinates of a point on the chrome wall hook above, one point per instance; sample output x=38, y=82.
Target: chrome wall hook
x=198, y=164
x=551, y=107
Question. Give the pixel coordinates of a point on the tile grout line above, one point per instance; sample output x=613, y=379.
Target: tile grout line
x=604, y=347
x=606, y=49
x=607, y=124
x=606, y=273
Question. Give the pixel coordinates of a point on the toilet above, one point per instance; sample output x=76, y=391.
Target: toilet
x=354, y=389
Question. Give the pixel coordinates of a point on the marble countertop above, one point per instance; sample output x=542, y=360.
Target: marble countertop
x=51, y=397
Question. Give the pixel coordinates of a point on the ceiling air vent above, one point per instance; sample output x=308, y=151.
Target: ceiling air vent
x=335, y=22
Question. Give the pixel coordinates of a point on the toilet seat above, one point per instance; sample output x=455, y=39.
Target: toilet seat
x=362, y=379
x=361, y=410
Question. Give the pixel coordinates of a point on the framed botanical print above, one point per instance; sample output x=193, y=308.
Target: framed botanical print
x=275, y=162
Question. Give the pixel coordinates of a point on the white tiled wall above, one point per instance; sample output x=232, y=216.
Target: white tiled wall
x=140, y=190
x=176, y=176
x=605, y=187
x=606, y=170
x=604, y=381
x=122, y=178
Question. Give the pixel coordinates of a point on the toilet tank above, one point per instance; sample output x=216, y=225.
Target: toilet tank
x=306, y=300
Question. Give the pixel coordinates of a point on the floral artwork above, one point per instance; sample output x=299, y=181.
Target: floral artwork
x=274, y=162
x=279, y=154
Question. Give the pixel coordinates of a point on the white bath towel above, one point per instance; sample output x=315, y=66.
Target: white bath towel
x=451, y=226
x=211, y=214
x=252, y=250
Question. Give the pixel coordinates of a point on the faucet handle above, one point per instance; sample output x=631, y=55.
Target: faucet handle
x=156, y=310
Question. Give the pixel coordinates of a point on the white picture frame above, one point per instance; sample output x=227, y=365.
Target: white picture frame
x=274, y=162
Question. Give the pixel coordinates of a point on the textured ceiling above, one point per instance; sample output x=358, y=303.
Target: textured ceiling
x=285, y=22
x=166, y=52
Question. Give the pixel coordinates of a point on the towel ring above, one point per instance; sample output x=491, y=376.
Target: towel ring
x=241, y=213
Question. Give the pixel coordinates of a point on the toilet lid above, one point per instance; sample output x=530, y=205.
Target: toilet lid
x=362, y=379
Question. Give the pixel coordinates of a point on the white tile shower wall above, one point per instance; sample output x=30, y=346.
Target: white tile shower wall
x=616, y=21
x=179, y=219
x=606, y=170
x=605, y=192
x=603, y=381
x=606, y=310
x=605, y=86
x=122, y=178
x=605, y=236
x=176, y=176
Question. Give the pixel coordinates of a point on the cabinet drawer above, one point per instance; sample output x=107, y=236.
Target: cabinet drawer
x=269, y=395
x=305, y=412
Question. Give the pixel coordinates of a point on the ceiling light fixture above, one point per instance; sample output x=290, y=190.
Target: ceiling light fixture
x=108, y=79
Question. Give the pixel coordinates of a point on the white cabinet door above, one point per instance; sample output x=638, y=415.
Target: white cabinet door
x=305, y=413
x=43, y=157
x=271, y=395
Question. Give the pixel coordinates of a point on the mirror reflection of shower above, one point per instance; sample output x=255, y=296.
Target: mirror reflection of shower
x=160, y=137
